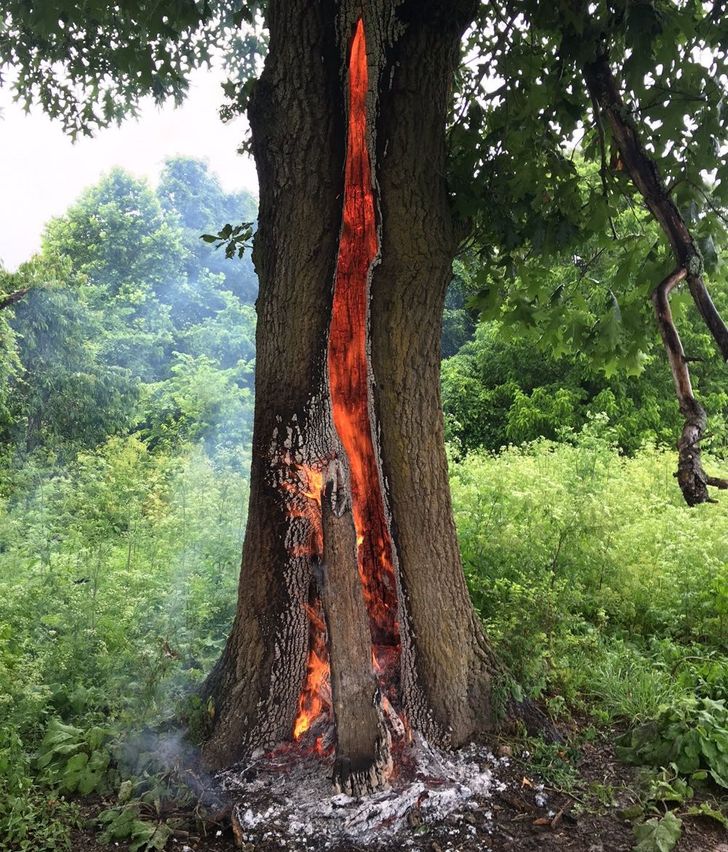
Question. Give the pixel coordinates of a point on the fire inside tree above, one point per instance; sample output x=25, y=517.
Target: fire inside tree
x=348, y=376
x=354, y=623
x=352, y=600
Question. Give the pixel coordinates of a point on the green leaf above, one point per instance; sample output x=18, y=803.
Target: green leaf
x=706, y=810
x=658, y=835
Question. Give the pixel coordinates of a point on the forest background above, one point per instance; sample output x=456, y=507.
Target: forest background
x=126, y=402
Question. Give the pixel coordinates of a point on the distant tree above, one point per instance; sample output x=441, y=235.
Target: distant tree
x=500, y=389
x=66, y=395
x=117, y=235
x=188, y=188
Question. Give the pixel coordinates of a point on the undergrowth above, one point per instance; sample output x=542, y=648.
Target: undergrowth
x=602, y=591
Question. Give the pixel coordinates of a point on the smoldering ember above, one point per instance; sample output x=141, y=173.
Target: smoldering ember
x=333, y=621
x=435, y=381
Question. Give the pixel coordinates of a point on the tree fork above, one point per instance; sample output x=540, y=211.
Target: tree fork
x=444, y=666
x=645, y=175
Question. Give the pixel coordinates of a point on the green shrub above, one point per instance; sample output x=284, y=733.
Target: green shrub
x=568, y=546
x=33, y=817
x=691, y=734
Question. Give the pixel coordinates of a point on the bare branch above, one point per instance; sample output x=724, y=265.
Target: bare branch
x=691, y=477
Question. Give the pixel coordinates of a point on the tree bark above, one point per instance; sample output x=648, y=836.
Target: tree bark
x=301, y=549
x=446, y=662
x=363, y=759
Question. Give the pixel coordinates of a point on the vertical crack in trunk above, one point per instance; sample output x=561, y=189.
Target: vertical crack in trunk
x=349, y=374
x=350, y=666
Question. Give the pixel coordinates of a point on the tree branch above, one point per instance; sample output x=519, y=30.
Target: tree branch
x=12, y=298
x=691, y=477
x=603, y=171
x=643, y=171
x=644, y=174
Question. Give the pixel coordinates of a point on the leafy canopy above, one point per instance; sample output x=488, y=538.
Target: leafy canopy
x=533, y=172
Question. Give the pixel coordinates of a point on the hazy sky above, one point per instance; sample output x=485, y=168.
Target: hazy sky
x=42, y=171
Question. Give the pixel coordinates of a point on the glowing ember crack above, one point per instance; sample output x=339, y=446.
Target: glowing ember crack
x=348, y=360
x=348, y=372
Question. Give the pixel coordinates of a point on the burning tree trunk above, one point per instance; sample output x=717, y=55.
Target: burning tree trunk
x=351, y=592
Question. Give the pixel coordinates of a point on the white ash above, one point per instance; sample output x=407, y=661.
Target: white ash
x=288, y=799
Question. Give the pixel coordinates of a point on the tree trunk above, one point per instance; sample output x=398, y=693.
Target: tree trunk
x=351, y=591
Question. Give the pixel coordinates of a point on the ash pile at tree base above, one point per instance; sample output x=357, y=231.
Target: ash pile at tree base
x=285, y=800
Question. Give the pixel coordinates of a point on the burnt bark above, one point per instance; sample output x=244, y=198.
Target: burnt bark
x=296, y=117
x=645, y=175
x=363, y=760
x=297, y=549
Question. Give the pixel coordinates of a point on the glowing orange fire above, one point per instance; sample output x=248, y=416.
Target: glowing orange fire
x=316, y=694
x=349, y=387
x=348, y=363
x=304, y=485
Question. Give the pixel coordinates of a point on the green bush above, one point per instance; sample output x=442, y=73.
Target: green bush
x=568, y=546
x=691, y=734
x=33, y=817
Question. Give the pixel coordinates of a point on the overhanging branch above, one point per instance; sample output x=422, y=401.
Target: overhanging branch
x=692, y=478
x=645, y=176
x=643, y=172
x=12, y=298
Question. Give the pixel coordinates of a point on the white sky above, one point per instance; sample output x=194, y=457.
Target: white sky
x=42, y=172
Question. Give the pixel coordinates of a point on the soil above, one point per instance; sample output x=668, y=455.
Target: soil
x=523, y=813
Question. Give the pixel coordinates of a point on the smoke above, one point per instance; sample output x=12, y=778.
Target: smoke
x=126, y=474
x=167, y=754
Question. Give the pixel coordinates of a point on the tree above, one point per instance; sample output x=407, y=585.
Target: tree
x=644, y=83
x=187, y=188
x=351, y=574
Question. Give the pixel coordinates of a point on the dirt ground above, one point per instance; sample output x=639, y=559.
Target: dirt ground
x=516, y=818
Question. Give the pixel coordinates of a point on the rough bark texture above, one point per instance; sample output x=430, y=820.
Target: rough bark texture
x=447, y=666
x=363, y=761
x=690, y=475
x=298, y=121
x=643, y=171
x=296, y=118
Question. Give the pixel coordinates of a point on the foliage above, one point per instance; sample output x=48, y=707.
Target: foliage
x=235, y=239
x=533, y=168
x=129, y=404
x=124, y=824
x=33, y=818
x=187, y=189
x=692, y=735
x=75, y=759
x=658, y=834
x=64, y=56
x=564, y=542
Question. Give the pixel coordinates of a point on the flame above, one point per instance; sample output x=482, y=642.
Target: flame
x=311, y=702
x=304, y=486
x=348, y=370
x=348, y=362
x=315, y=697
